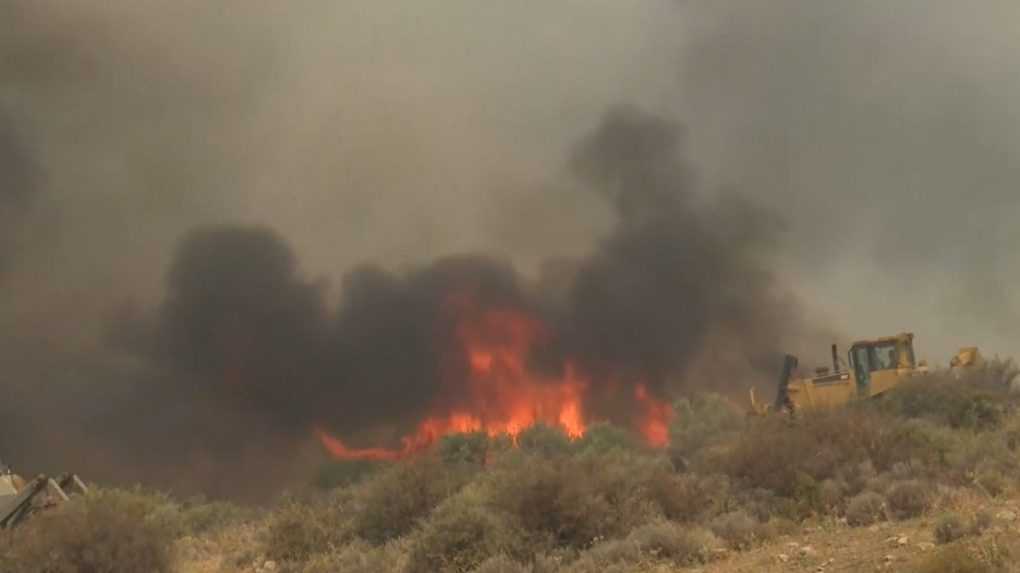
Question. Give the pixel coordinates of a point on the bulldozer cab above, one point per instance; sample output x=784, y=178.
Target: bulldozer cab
x=878, y=364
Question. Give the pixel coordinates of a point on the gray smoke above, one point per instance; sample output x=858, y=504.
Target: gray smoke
x=885, y=134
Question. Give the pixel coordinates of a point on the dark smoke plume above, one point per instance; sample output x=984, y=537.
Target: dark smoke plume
x=243, y=350
x=675, y=268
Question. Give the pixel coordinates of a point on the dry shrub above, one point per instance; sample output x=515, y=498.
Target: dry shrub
x=980, y=399
x=613, y=556
x=574, y=501
x=105, y=531
x=342, y=473
x=299, y=531
x=688, y=497
x=739, y=530
x=865, y=508
x=959, y=558
x=460, y=535
x=358, y=557
x=389, y=505
x=200, y=517
x=771, y=453
x=908, y=499
x=668, y=541
x=950, y=527
x=502, y=564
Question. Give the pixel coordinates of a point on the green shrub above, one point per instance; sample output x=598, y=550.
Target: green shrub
x=603, y=437
x=544, y=440
x=865, y=508
x=701, y=422
x=460, y=535
x=390, y=504
x=107, y=530
x=465, y=448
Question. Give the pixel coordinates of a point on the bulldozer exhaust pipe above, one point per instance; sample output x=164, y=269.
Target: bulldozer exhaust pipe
x=783, y=395
x=835, y=359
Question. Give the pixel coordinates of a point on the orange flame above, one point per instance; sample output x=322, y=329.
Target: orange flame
x=658, y=415
x=501, y=394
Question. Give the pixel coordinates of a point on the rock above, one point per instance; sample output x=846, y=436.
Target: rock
x=808, y=551
x=1006, y=515
x=269, y=566
x=926, y=546
x=793, y=545
x=782, y=558
x=890, y=558
x=903, y=541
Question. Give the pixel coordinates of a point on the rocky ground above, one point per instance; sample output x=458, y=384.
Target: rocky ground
x=834, y=547
x=830, y=546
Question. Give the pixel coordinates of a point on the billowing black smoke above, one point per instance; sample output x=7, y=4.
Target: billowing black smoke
x=244, y=350
x=675, y=268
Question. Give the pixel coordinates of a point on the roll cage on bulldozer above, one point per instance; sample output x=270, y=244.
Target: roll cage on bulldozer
x=872, y=367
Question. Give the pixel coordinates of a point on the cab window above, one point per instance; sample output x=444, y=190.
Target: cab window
x=884, y=357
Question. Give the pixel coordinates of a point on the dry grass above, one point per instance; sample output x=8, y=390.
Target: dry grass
x=106, y=531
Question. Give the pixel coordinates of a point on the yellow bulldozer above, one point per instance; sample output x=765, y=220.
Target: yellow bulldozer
x=872, y=367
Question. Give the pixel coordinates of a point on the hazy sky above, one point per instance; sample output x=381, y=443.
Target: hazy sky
x=885, y=133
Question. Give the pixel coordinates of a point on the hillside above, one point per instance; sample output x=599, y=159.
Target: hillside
x=923, y=479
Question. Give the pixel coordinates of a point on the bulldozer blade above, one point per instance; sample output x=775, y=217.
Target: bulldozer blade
x=71, y=484
x=15, y=509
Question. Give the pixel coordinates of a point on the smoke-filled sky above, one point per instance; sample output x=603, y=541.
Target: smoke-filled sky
x=859, y=155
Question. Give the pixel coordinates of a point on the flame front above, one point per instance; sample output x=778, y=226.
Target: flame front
x=493, y=388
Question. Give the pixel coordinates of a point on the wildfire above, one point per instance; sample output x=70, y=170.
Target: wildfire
x=657, y=416
x=493, y=388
